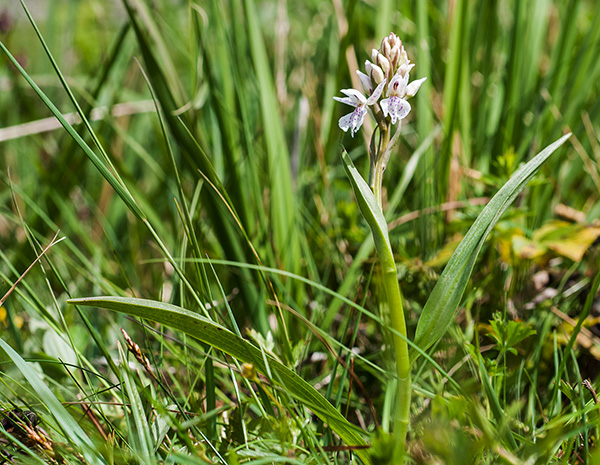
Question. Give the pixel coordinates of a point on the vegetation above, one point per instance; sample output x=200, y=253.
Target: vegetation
x=186, y=272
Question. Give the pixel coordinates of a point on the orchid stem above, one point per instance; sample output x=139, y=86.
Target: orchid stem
x=395, y=302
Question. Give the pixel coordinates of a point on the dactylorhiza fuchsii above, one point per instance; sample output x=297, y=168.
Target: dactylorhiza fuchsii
x=387, y=74
x=387, y=88
x=354, y=120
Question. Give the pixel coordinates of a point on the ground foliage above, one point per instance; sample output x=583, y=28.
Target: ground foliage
x=232, y=202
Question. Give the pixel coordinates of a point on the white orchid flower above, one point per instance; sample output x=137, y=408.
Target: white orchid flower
x=398, y=91
x=355, y=98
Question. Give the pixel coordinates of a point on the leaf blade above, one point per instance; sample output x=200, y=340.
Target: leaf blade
x=440, y=308
x=221, y=338
x=367, y=204
x=67, y=423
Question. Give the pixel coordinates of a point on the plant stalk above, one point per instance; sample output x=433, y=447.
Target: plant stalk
x=395, y=301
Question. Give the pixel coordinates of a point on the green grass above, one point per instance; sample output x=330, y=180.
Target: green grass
x=226, y=196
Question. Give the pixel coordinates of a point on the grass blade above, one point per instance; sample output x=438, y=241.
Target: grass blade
x=142, y=442
x=119, y=187
x=219, y=337
x=67, y=423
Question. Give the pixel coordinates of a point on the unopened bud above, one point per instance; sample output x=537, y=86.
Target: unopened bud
x=375, y=72
x=386, y=48
x=382, y=62
x=405, y=68
x=389, y=41
x=402, y=57
x=374, y=54
x=394, y=53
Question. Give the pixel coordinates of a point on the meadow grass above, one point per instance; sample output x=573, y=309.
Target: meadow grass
x=194, y=160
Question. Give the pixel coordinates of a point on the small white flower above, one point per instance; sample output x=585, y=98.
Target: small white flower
x=354, y=120
x=398, y=91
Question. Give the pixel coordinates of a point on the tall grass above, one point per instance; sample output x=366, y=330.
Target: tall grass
x=223, y=193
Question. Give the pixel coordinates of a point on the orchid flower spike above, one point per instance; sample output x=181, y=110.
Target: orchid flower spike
x=355, y=98
x=398, y=91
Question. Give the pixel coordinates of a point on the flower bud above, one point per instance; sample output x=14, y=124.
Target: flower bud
x=374, y=54
x=405, y=68
x=375, y=72
x=381, y=61
x=389, y=42
x=402, y=57
x=386, y=47
x=394, y=53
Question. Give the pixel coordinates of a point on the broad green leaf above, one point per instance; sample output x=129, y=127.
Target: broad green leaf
x=221, y=338
x=441, y=306
x=66, y=422
x=367, y=204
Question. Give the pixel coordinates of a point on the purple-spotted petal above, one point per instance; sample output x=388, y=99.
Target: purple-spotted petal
x=385, y=106
x=353, y=121
x=376, y=93
x=395, y=107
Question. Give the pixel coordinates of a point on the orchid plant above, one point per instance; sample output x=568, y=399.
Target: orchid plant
x=386, y=75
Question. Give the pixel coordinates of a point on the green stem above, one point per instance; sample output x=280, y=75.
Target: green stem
x=378, y=166
x=395, y=303
x=368, y=197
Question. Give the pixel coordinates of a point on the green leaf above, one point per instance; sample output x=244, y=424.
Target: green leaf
x=140, y=429
x=509, y=334
x=367, y=204
x=493, y=400
x=441, y=306
x=221, y=338
x=66, y=422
